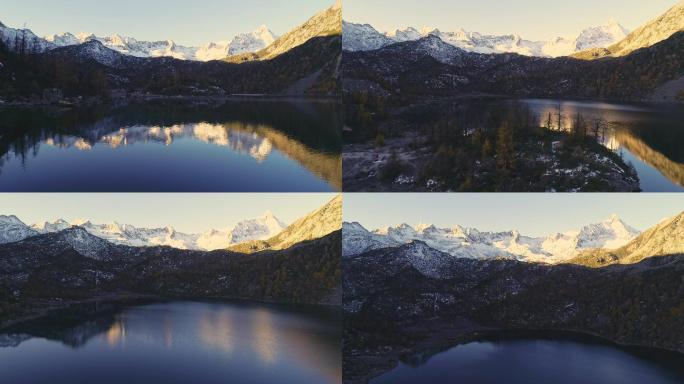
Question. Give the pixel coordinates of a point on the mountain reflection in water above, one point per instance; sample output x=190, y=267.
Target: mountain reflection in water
x=287, y=143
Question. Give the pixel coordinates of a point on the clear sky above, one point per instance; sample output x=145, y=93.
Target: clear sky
x=531, y=19
x=189, y=213
x=531, y=214
x=187, y=22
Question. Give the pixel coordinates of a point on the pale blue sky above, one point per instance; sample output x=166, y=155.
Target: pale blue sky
x=531, y=19
x=186, y=22
x=190, y=213
x=531, y=214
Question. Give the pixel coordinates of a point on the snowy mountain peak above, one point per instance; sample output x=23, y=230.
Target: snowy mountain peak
x=472, y=243
x=260, y=228
x=12, y=229
x=10, y=219
x=364, y=37
x=600, y=36
x=325, y=23
x=245, y=42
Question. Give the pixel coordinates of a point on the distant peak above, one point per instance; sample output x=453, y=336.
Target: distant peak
x=10, y=218
x=268, y=215
x=613, y=218
x=354, y=225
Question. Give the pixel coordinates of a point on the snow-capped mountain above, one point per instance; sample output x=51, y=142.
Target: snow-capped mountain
x=472, y=243
x=17, y=39
x=259, y=228
x=664, y=239
x=12, y=229
x=317, y=224
x=242, y=43
x=363, y=37
x=647, y=35
x=601, y=36
x=325, y=23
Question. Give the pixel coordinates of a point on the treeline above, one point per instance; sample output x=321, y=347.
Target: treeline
x=26, y=73
x=311, y=68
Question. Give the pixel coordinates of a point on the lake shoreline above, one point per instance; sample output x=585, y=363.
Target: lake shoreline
x=438, y=335
x=190, y=99
x=43, y=308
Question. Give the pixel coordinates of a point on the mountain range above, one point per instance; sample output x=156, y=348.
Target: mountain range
x=363, y=37
x=266, y=232
x=650, y=67
x=266, y=226
x=305, y=60
x=261, y=43
x=242, y=43
x=62, y=263
x=458, y=241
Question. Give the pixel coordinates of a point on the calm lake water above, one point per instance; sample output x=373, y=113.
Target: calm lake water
x=524, y=360
x=180, y=342
x=651, y=137
x=239, y=146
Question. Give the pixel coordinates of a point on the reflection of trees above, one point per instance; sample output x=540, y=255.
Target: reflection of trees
x=73, y=327
x=674, y=171
x=654, y=140
x=306, y=133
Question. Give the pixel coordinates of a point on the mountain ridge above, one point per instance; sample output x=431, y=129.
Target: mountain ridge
x=263, y=227
x=650, y=33
x=241, y=43
x=362, y=37
x=665, y=238
x=472, y=243
x=319, y=223
x=323, y=24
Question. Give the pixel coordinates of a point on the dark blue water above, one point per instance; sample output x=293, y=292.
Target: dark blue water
x=650, y=137
x=183, y=342
x=240, y=147
x=524, y=361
